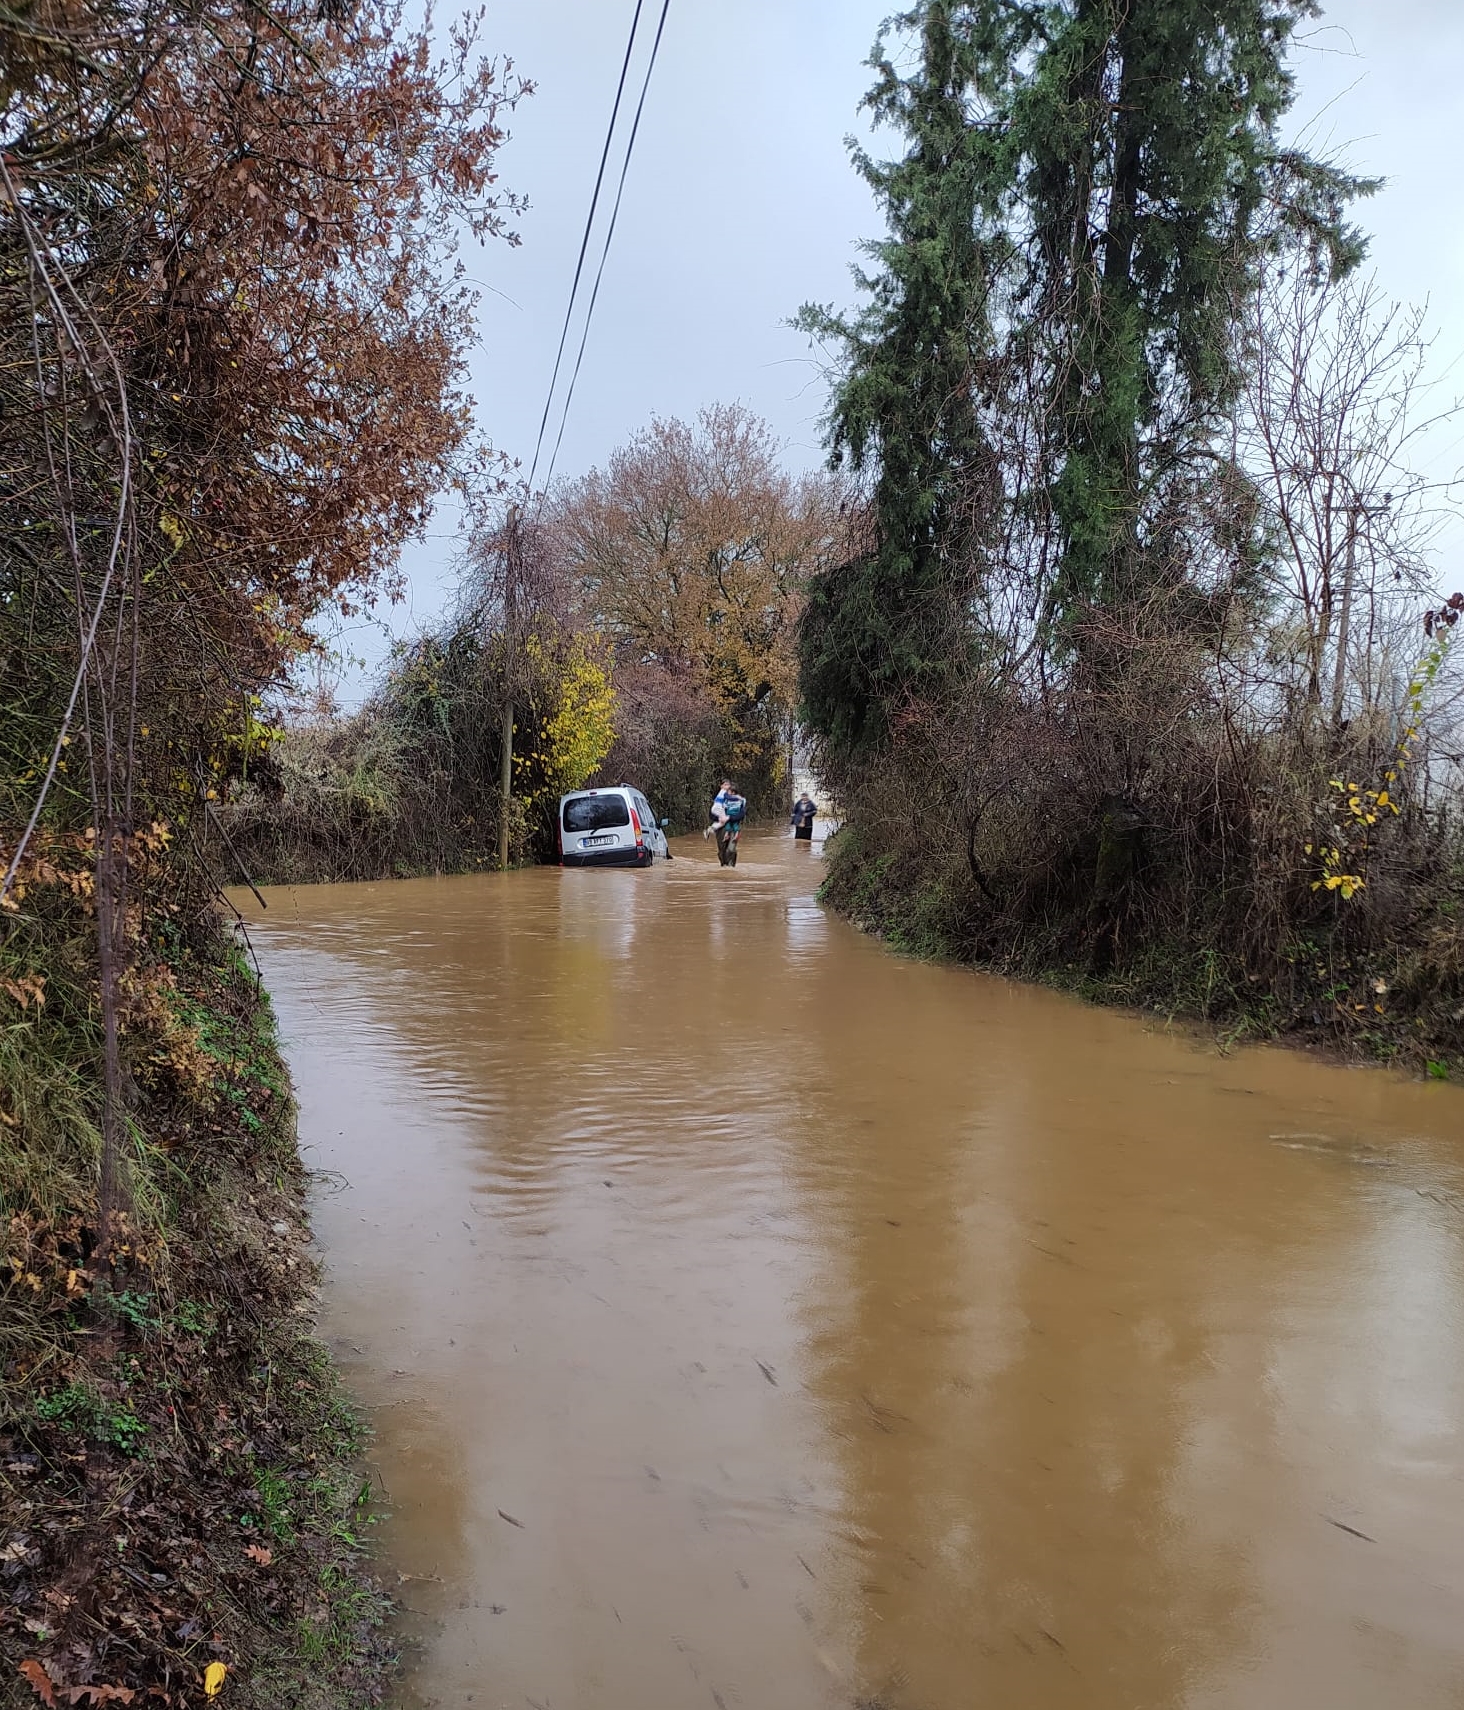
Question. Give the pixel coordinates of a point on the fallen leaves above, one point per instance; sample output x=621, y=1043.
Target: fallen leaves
x=213, y=1678
x=50, y=1694
x=39, y=1679
x=258, y=1553
x=28, y=989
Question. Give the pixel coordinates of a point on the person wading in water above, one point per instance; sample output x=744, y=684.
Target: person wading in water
x=805, y=809
x=728, y=809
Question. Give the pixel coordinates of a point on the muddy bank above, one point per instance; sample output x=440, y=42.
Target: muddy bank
x=179, y=1484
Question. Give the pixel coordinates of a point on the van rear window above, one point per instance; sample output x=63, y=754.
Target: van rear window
x=594, y=813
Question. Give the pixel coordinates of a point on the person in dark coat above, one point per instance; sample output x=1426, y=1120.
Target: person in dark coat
x=804, y=811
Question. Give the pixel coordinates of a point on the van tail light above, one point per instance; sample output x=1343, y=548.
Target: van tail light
x=636, y=825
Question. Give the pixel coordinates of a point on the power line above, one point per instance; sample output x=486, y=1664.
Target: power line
x=610, y=233
x=585, y=240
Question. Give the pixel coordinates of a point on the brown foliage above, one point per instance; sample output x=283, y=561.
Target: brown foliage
x=691, y=552
x=231, y=349
x=230, y=357
x=228, y=328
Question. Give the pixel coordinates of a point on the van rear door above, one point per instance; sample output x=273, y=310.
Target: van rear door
x=598, y=819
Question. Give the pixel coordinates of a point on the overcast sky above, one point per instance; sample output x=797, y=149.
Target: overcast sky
x=741, y=204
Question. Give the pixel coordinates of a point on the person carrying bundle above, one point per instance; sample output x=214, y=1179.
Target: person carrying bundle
x=728, y=811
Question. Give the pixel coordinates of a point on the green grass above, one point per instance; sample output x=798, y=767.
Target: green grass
x=78, y=1408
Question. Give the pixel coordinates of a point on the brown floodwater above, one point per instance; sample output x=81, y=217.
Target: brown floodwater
x=752, y=1318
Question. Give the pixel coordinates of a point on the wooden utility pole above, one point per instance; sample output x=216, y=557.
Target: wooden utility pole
x=510, y=660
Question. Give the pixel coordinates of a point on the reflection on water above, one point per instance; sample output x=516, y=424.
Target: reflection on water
x=752, y=1318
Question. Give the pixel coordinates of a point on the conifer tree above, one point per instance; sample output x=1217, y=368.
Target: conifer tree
x=880, y=624
x=1110, y=172
x=1142, y=179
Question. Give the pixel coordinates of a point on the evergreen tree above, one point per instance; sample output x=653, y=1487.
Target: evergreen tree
x=1142, y=179
x=881, y=624
x=1110, y=172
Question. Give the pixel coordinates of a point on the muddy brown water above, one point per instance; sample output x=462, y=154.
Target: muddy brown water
x=751, y=1318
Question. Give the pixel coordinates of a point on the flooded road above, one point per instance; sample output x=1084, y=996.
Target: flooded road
x=752, y=1319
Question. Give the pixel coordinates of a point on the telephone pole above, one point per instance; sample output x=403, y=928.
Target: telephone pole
x=510, y=659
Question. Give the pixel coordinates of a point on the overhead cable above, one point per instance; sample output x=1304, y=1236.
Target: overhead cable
x=604, y=253
x=585, y=240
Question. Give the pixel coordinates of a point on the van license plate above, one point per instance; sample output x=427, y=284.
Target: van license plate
x=597, y=842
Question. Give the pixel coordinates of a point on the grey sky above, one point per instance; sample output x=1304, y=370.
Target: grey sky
x=741, y=204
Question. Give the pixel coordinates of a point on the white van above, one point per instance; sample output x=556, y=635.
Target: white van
x=610, y=828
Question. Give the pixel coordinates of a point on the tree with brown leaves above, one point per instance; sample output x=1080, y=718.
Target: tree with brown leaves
x=691, y=551
x=232, y=341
